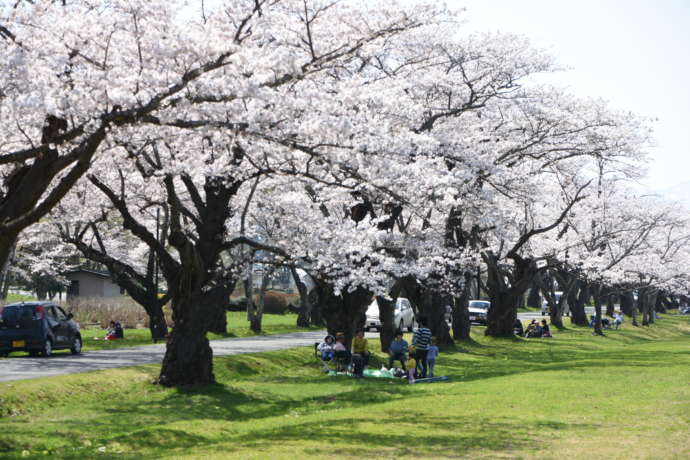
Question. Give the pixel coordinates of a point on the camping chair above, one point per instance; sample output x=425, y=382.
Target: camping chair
x=342, y=360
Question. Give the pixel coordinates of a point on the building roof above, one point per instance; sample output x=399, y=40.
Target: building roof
x=90, y=272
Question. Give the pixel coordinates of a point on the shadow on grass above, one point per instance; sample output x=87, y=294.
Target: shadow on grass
x=266, y=385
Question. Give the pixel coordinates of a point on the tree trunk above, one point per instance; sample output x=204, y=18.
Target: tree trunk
x=578, y=315
x=5, y=271
x=461, y=315
x=218, y=298
x=255, y=324
x=627, y=303
x=596, y=295
x=610, y=304
x=304, y=316
x=659, y=305
x=504, y=298
x=435, y=311
x=317, y=317
x=387, y=318
x=534, y=299
x=157, y=324
x=346, y=312
x=188, y=356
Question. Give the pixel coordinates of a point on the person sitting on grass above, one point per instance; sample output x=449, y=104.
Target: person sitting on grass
x=326, y=349
x=431, y=356
x=397, y=350
x=533, y=329
x=545, y=331
x=411, y=364
x=617, y=319
x=360, y=346
x=114, y=332
x=341, y=353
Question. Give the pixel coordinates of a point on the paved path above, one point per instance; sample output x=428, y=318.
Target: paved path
x=62, y=362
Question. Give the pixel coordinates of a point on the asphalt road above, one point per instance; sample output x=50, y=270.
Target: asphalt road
x=62, y=362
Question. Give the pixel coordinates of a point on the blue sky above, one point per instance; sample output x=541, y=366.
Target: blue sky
x=635, y=54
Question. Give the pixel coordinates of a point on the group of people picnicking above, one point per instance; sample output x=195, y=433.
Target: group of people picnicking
x=417, y=360
x=536, y=329
x=607, y=323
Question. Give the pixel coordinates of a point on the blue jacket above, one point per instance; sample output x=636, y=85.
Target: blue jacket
x=398, y=347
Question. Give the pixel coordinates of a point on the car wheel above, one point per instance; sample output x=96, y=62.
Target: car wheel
x=401, y=326
x=34, y=353
x=47, y=348
x=4, y=354
x=76, y=346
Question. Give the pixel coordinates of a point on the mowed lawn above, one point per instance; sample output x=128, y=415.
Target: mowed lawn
x=623, y=396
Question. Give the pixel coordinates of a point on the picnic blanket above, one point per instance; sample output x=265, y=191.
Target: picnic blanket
x=386, y=374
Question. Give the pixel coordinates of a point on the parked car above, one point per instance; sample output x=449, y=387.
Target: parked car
x=38, y=328
x=478, y=310
x=403, y=315
x=557, y=297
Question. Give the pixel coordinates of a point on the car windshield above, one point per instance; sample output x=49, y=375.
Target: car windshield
x=477, y=304
x=17, y=315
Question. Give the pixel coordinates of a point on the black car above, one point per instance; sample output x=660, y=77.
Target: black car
x=39, y=328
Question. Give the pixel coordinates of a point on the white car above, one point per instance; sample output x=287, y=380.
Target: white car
x=545, y=311
x=478, y=310
x=403, y=315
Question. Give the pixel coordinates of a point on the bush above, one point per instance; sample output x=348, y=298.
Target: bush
x=276, y=303
x=89, y=311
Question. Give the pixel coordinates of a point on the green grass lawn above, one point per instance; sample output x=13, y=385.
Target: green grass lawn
x=237, y=327
x=576, y=396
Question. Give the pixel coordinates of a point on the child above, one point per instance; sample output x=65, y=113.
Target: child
x=397, y=350
x=360, y=346
x=326, y=348
x=411, y=364
x=431, y=356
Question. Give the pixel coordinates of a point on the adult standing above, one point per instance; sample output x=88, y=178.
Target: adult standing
x=421, y=341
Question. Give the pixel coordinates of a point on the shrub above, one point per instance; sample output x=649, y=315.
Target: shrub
x=276, y=303
x=90, y=311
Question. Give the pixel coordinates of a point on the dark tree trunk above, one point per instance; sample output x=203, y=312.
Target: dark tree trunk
x=596, y=295
x=659, y=305
x=317, y=318
x=627, y=303
x=610, y=304
x=5, y=272
x=647, y=301
x=346, y=312
x=533, y=298
x=635, y=309
x=435, y=311
x=157, y=324
x=578, y=315
x=387, y=318
x=40, y=293
x=505, y=297
x=304, y=315
x=461, y=315
x=188, y=356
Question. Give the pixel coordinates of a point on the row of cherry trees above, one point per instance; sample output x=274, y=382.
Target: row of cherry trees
x=364, y=142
